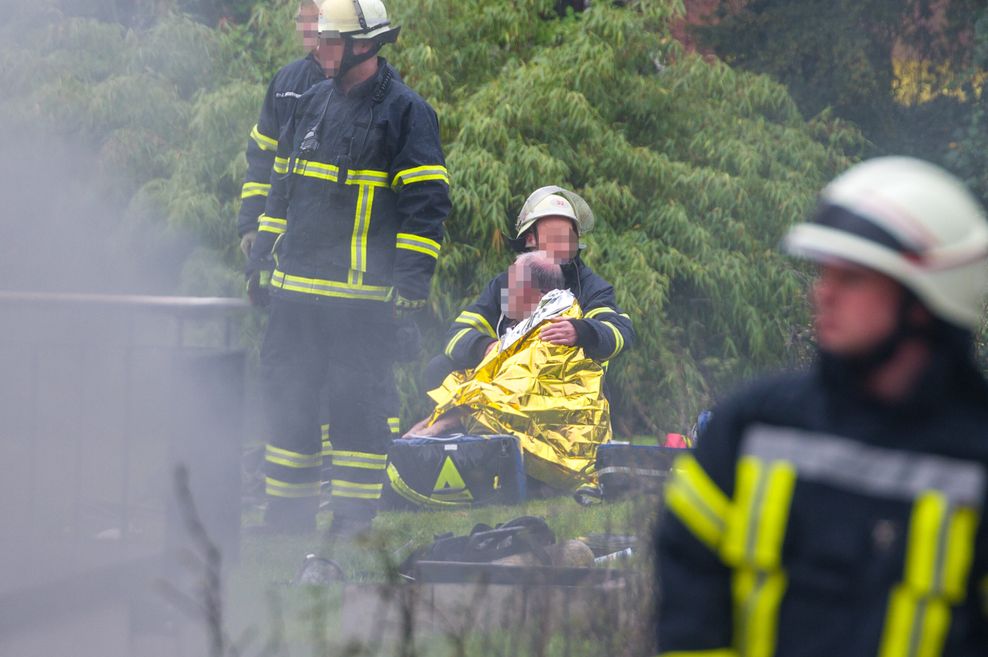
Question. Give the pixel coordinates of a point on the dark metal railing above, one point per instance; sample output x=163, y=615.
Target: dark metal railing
x=102, y=397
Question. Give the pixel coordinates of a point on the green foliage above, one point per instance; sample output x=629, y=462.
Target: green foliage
x=969, y=155
x=829, y=54
x=694, y=169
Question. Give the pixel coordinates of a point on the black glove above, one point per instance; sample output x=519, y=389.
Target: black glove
x=408, y=340
x=258, y=282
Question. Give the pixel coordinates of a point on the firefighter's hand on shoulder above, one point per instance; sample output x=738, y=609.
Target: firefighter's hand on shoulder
x=259, y=281
x=247, y=242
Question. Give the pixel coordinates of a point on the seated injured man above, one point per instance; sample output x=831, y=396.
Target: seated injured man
x=548, y=395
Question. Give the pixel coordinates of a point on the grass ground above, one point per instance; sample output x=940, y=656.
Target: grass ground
x=294, y=621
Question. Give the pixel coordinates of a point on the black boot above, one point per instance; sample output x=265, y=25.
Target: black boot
x=286, y=516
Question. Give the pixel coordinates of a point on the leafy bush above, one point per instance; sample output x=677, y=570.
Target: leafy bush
x=693, y=169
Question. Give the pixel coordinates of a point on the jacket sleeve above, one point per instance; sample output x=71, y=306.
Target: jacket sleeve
x=475, y=328
x=605, y=331
x=274, y=222
x=420, y=181
x=261, y=148
x=693, y=585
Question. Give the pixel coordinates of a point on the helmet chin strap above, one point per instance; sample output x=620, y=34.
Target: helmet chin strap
x=350, y=59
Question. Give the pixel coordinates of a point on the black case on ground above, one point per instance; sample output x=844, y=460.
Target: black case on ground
x=624, y=470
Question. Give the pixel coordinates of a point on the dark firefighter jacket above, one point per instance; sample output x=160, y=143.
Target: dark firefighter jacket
x=358, y=195
x=603, y=332
x=285, y=89
x=813, y=521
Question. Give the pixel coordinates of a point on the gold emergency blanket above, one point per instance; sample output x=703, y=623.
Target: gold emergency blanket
x=549, y=396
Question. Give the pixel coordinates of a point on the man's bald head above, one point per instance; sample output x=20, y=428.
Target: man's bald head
x=530, y=276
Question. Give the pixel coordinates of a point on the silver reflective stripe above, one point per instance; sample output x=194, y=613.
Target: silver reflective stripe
x=865, y=469
x=638, y=472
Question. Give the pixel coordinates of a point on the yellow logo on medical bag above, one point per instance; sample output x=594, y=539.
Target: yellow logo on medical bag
x=450, y=486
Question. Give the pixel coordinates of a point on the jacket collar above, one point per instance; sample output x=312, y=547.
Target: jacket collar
x=376, y=85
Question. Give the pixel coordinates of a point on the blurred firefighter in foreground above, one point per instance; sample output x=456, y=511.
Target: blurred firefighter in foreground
x=353, y=223
x=547, y=394
x=839, y=511
x=552, y=220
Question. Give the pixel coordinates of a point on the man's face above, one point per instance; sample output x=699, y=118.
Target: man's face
x=556, y=236
x=307, y=25
x=329, y=53
x=855, y=308
x=523, y=297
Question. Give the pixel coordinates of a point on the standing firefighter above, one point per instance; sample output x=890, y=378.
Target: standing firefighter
x=353, y=223
x=839, y=511
x=285, y=89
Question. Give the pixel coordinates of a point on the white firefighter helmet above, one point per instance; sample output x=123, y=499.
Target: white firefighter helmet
x=356, y=19
x=911, y=221
x=553, y=201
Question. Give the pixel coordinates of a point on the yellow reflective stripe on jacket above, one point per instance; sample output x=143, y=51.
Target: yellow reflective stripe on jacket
x=939, y=552
x=454, y=340
x=717, y=652
x=753, y=537
x=281, y=165
x=394, y=424
x=914, y=626
x=254, y=189
x=354, y=490
x=618, y=340
x=364, y=460
x=266, y=224
x=289, y=459
x=337, y=289
x=757, y=598
x=313, y=169
x=276, y=488
x=361, y=226
x=697, y=501
x=420, y=174
x=757, y=524
x=593, y=312
x=263, y=142
x=477, y=321
x=418, y=244
x=367, y=177
x=331, y=172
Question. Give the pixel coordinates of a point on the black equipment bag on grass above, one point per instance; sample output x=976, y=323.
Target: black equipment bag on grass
x=454, y=472
x=633, y=469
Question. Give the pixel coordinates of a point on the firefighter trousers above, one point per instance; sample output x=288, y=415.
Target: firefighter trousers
x=307, y=345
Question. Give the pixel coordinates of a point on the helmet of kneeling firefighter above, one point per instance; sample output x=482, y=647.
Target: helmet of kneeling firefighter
x=553, y=201
x=912, y=221
x=356, y=20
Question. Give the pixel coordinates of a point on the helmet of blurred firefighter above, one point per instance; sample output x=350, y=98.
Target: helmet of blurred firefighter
x=551, y=201
x=913, y=222
x=342, y=23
